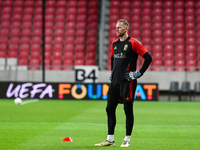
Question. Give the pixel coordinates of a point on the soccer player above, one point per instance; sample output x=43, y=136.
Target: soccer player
x=124, y=54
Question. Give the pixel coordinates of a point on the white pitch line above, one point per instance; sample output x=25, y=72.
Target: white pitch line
x=29, y=101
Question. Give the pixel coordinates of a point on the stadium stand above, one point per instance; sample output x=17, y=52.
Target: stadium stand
x=69, y=26
x=169, y=29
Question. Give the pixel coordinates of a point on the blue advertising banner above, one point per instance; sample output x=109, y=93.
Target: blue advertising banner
x=70, y=91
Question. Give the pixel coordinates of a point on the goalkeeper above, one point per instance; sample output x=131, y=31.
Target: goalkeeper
x=124, y=55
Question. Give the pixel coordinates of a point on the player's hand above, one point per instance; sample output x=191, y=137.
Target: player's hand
x=110, y=76
x=132, y=75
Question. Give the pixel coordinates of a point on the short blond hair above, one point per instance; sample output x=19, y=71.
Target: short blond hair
x=125, y=22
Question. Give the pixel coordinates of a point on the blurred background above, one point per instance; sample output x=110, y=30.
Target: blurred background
x=44, y=46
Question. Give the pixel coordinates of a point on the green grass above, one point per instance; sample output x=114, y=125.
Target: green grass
x=44, y=124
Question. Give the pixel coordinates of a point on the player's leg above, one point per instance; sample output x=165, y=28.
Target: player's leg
x=128, y=96
x=112, y=102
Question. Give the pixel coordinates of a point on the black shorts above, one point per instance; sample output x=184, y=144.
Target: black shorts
x=122, y=93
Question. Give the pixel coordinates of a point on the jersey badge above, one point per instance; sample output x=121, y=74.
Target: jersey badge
x=125, y=47
x=115, y=47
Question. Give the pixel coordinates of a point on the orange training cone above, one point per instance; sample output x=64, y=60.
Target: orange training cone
x=68, y=139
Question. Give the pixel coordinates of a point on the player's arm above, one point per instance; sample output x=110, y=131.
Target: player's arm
x=147, y=61
x=142, y=51
x=111, y=62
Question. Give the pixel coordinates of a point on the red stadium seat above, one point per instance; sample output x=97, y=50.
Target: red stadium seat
x=68, y=54
x=157, y=26
x=90, y=62
x=12, y=54
x=13, y=47
x=191, y=48
x=169, y=65
x=57, y=54
x=168, y=19
x=189, y=19
x=179, y=26
x=61, y=4
x=168, y=26
x=136, y=4
x=23, y=61
x=168, y=41
x=80, y=40
x=157, y=33
x=157, y=11
x=14, y=40
x=179, y=41
x=179, y=33
x=190, y=33
x=56, y=64
x=57, y=47
x=79, y=55
x=168, y=55
x=180, y=65
x=38, y=17
x=69, y=47
x=79, y=62
x=80, y=47
x=48, y=47
x=37, y=25
x=146, y=26
x=25, y=25
x=24, y=47
x=168, y=48
x=58, y=40
x=157, y=55
x=51, y=3
x=6, y=25
x=28, y=10
x=114, y=4
x=179, y=48
x=191, y=65
x=36, y=47
x=4, y=32
x=179, y=56
x=157, y=19
x=168, y=11
x=67, y=64
x=6, y=17
x=157, y=48
x=18, y=18
x=60, y=18
x=26, y=32
x=190, y=41
x=179, y=18
x=157, y=65
x=34, y=54
x=25, y=40
x=146, y=41
x=60, y=11
x=190, y=55
x=157, y=41
x=37, y=40
x=50, y=11
x=146, y=18
x=168, y=33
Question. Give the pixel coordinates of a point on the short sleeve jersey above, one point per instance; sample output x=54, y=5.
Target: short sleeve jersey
x=125, y=55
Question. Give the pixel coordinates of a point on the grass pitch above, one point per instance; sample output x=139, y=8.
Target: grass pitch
x=44, y=124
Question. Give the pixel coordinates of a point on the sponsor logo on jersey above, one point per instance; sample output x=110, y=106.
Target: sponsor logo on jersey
x=115, y=47
x=121, y=55
x=125, y=47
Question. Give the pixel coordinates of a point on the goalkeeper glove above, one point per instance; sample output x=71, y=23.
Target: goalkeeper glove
x=133, y=75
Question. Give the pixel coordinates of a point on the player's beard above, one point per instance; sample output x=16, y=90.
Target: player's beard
x=121, y=34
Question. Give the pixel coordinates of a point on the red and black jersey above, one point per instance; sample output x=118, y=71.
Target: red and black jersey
x=125, y=55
